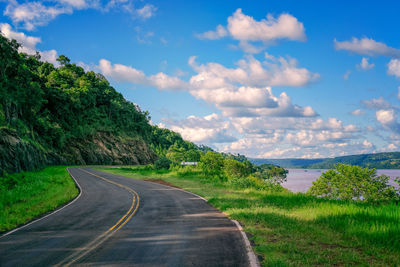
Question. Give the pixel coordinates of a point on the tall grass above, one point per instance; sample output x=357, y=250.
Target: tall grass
x=26, y=195
x=291, y=229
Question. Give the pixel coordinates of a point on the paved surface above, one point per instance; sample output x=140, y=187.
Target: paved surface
x=121, y=221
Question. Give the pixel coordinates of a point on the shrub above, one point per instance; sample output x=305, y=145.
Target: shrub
x=162, y=163
x=348, y=182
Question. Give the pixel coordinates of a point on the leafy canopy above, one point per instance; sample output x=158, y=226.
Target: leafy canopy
x=348, y=182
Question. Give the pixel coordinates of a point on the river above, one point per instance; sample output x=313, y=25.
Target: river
x=299, y=180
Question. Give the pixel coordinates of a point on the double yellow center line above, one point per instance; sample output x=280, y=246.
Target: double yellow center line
x=103, y=237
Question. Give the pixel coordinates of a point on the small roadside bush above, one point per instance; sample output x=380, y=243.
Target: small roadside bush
x=255, y=183
x=348, y=182
x=162, y=163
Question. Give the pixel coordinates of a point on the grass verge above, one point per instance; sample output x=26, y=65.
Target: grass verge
x=26, y=195
x=296, y=229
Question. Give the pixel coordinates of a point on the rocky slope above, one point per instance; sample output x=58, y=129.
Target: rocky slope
x=18, y=155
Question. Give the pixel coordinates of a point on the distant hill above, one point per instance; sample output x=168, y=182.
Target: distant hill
x=288, y=163
x=386, y=160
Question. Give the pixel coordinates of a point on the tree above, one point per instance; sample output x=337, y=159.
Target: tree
x=237, y=169
x=63, y=60
x=348, y=182
x=211, y=163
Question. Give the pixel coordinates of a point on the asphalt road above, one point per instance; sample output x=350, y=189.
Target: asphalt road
x=121, y=221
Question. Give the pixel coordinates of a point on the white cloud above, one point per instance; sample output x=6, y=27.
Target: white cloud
x=78, y=4
x=376, y=103
x=123, y=73
x=246, y=29
x=285, y=108
x=357, y=112
x=365, y=65
x=389, y=119
x=394, y=67
x=32, y=14
x=392, y=147
x=147, y=11
x=219, y=32
x=28, y=44
x=208, y=129
x=347, y=75
x=386, y=117
x=368, y=47
x=252, y=72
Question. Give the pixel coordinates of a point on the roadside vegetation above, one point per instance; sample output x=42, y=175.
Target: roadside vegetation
x=26, y=195
x=288, y=229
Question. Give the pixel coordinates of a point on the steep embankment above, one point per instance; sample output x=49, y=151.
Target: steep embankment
x=18, y=154
x=65, y=115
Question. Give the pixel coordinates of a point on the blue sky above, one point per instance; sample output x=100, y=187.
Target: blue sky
x=273, y=79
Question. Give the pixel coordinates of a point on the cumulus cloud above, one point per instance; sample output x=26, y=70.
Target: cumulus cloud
x=284, y=108
x=208, y=129
x=123, y=73
x=252, y=72
x=394, y=67
x=28, y=43
x=246, y=29
x=365, y=65
x=368, y=47
x=389, y=119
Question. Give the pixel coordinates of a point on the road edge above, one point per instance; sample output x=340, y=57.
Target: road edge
x=253, y=260
x=52, y=212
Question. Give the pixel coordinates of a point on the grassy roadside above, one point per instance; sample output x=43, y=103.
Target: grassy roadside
x=295, y=229
x=26, y=195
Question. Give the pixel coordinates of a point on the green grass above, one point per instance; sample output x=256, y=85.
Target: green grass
x=296, y=229
x=26, y=195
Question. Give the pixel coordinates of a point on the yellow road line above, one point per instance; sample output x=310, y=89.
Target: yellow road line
x=103, y=237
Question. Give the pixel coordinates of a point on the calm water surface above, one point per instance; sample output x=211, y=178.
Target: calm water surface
x=299, y=180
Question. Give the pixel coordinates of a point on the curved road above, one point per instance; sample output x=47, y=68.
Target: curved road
x=122, y=221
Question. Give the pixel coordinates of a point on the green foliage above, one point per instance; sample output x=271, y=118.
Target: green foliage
x=192, y=155
x=234, y=168
x=211, y=163
x=272, y=173
x=162, y=163
x=347, y=182
x=55, y=106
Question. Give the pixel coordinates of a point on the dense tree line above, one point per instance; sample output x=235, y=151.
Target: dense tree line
x=53, y=106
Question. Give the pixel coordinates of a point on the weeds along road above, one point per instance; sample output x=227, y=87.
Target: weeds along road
x=121, y=221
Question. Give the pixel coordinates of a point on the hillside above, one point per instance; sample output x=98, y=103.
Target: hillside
x=64, y=115
x=386, y=160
